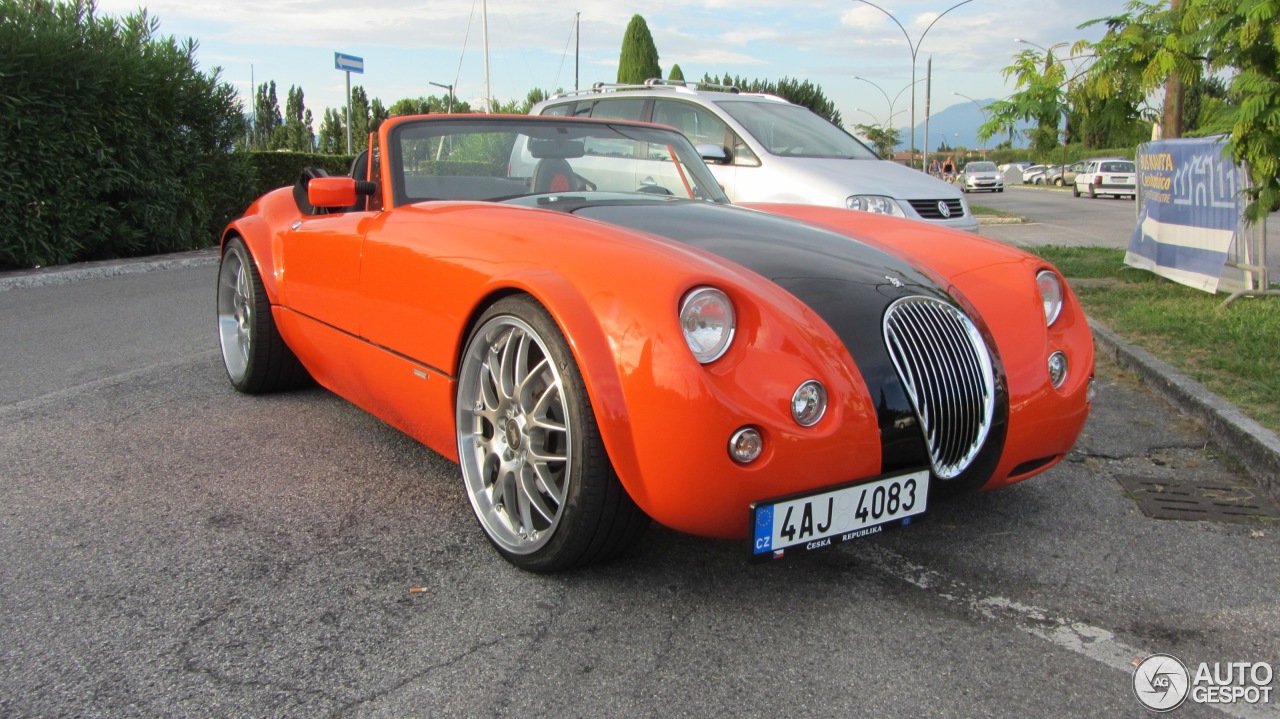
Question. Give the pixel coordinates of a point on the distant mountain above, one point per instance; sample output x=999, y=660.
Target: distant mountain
x=958, y=125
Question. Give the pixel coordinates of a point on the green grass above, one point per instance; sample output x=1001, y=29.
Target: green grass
x=977, y=209
x=1234, y=351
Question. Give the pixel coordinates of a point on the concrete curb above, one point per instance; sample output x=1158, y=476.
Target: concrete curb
x=61, y=275
x=1255, y=447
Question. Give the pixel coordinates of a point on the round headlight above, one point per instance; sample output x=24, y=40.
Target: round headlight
x=707, y=320
x=746, y=445
x=1057, y=369
x=875, y=204
x=809, y=403
x=1050, y=294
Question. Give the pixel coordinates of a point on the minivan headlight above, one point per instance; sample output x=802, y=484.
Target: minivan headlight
x=877, y=204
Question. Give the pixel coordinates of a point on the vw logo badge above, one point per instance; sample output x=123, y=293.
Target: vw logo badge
x=943, y=209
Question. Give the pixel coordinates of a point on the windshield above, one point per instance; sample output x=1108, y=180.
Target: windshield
x=1117, y=167
x=794, y=131
x=498, y=158
x=981, y=167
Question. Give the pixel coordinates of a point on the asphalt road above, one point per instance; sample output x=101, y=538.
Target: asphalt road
x=1055, y=217
x=171, y=548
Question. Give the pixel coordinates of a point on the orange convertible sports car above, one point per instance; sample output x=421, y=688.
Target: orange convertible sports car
x=573, y=311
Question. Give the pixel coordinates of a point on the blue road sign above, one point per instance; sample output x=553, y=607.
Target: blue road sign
x=349, y=63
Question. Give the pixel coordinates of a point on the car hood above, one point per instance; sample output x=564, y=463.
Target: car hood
x=846, y=282
x=872, y=177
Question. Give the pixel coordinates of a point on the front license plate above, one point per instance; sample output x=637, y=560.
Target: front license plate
x=838, y=515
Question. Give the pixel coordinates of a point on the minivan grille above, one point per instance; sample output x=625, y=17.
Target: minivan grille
x=929, y=209
x=947, y=372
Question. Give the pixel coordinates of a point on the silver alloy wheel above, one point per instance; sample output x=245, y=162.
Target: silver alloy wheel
x=514, y=437
x=235, y=313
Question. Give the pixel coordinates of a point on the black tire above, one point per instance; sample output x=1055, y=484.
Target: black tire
x=571, y=510
x=254, y=355
x=1075, y=190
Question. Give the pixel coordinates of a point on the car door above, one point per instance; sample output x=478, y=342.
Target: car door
x=702, y=127
x=321, y=263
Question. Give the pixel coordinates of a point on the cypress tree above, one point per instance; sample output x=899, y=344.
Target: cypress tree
x=639, y=59
x=676, y=73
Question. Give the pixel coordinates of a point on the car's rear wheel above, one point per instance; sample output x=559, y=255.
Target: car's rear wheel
x=253, y=353
x=1075, y=190
x=535, y=467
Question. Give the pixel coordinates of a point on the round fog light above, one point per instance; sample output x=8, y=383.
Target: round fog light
x=1057, y=369
x=746, y=445
x=809, y=403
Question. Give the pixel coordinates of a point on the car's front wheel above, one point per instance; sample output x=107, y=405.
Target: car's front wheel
x=535, y=467
x=253, y=353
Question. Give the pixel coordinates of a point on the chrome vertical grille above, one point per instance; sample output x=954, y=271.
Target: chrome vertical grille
x=946, y=369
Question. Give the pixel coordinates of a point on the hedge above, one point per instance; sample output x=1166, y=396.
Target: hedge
x=280, y=169
x=112, y=143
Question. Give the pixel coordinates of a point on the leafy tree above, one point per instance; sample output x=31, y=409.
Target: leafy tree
x=639, y=59
x=296, y=133
x=1041, y=98
x=1153, y=42
x=676, y=73
x=883, y=139
x=332, y=139
x=377, y=113
x=411, y=106
x=359, y=118
x=790, y=89
x=266, y=115
x=427, y=105
x=112, y=142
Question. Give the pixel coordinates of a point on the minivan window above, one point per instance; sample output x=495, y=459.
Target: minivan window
x=794, y=131
x=632, y=109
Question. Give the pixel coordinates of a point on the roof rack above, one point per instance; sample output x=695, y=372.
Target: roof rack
x=653, y=83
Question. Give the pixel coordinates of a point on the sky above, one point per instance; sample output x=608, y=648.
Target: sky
x=406, y=45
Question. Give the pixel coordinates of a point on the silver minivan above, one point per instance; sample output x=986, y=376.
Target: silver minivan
x=761, y=148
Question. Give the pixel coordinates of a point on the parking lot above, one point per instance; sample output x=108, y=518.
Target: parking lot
x=170, y=547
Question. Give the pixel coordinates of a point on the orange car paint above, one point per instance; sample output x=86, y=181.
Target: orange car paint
x=378, y=310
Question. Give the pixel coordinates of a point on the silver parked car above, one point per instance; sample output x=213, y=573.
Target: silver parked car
x=1034, y=175
x=761, y=148
x=981, y=175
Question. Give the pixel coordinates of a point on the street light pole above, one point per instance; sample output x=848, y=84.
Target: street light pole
x=894, y=101
x=915, y=49
x=981, y=109
x=450, y=89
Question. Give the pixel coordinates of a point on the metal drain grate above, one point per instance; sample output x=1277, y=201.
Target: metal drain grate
x=1210, y=502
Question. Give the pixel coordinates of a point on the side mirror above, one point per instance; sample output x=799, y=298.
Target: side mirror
x=713, y=154
x=331, y=192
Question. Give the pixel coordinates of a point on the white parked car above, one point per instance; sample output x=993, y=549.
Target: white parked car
x=1113, y=176
x=761, y=148
x=981, y=175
